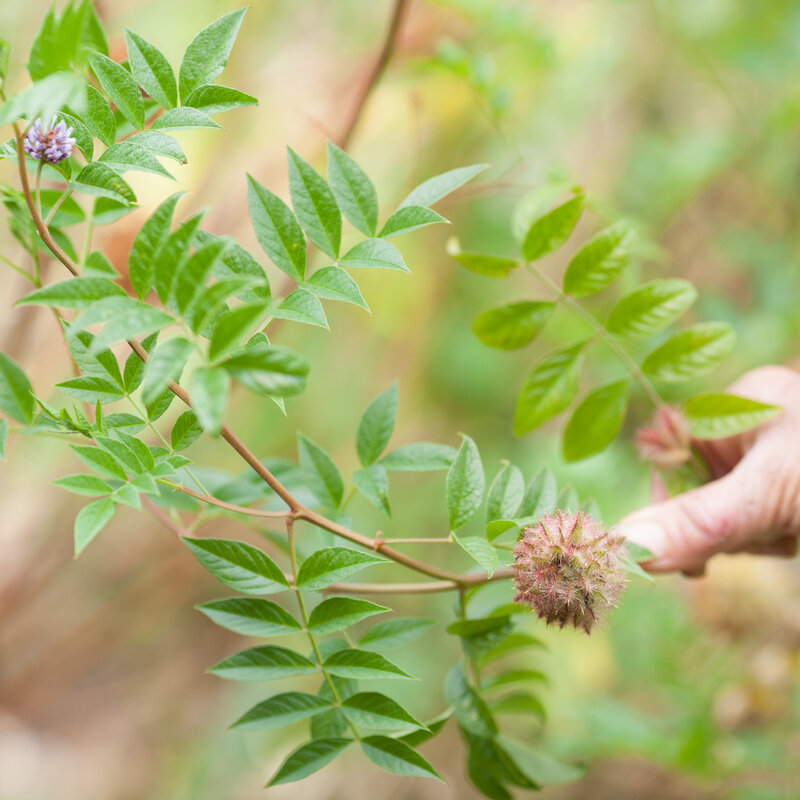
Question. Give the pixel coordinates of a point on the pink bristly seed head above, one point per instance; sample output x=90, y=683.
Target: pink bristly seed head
x=568, y=569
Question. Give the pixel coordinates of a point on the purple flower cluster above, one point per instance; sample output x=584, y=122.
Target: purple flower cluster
x=51, y=144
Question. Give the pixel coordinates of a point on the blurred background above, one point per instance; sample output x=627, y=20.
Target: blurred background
x=682, y=115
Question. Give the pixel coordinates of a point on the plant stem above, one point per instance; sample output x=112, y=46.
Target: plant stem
x=56, y=206
x=599, y=328
x=213, y=501
x=38, y=189
x=429, y=587
x=378, y=68
x=37, y=219
x=304, y=618
x=87, y=242
x=25, y=274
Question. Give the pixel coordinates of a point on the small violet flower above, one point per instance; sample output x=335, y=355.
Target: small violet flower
x=568, y=569
x=49, y=144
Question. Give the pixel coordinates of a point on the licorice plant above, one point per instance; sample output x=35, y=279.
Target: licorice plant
x=190, y=317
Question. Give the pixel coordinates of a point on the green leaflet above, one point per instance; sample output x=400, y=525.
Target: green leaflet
x=490, y=266
x=308, y=758
x=409, y=218
x=651, y=307
x=549, y=232
x=149, y=241
x=596, y=421
x=99, y=117
x=465, y=484
x=100, y=179
x=183, y=119
x=599, y=262
x=302, y=306
x=151, y=70
x=207, y=54
x=165, y=364
x=353, y=190
x=250, y=616
x=238, y=565
x=185, y=431
x=129, y=156
x=373, y=483
x=91, y=520
x=690, y=353
x=395, y=632
x=549, y=388
x=16, y=394
x=419, y=457
x=193, y=272
x=362, y=665
x=315, y=205
x=265, y=663
x=374, y=254
x=376, y=426
x=480, y=550
x=281, y=710
x=540, y=495
x=208, y=388
x=45, y=98
x=338, y=613
x=73, y=293
x=121, y=88
x=325, y=567
x=379, y=712
x=271, y=371
x=322, y=474
x=397, y=757
x=716, y=415
x=505, y=494
x=214, y=99
x=277, y=230
x=512, y=325
x=434, y=189
x=333, y=283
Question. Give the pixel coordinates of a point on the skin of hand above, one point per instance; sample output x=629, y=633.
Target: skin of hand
x=753, y=503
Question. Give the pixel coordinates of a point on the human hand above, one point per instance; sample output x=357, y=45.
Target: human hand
x=753, y=503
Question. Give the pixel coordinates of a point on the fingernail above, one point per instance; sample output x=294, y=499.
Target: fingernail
x=646, y=533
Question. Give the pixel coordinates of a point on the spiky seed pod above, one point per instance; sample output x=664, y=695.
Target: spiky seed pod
x=49, y=144
x=665, y=442
x=568, y=569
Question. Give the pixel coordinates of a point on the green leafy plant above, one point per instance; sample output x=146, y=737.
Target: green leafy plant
x=196, y=321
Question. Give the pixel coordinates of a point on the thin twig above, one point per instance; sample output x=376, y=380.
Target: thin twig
x=164, y=518
x=429, y=587
x=381, y=62
x=213, y=501
x=37, y=220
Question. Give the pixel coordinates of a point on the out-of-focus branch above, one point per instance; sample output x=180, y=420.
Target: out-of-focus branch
x=399, y=9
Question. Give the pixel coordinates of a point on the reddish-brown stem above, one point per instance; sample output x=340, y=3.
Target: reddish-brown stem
x=163, y=517
x=419, y=588
x=37, y=220
x=379, y=66
x=420, y=540
x=213, y=501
